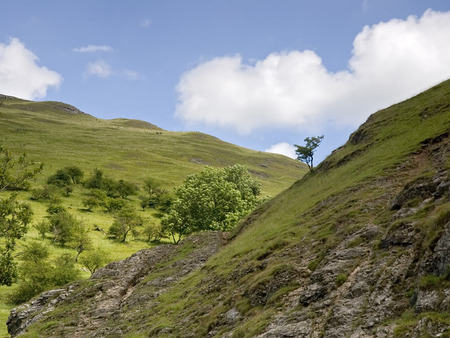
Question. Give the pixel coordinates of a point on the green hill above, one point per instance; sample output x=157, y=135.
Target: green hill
x=59, y=134
x=358, y=248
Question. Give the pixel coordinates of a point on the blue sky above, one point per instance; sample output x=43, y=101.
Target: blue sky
x=263, y=74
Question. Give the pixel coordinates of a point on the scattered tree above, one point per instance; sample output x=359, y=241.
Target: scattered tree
x=42, y=227
x=127, y=220
x=38, y=273
x=93, y=259
x=63, y=225
x=306, y=153
x=80, y=240
x=153, y=232
x=214, y=199
x=15, y=174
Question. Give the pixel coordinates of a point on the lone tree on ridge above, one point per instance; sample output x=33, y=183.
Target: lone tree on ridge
x=306, y=153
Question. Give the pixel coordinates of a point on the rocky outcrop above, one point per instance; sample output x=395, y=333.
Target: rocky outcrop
x=115, y=285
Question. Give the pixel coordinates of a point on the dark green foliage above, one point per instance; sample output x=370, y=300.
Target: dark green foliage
x=8, y=269
x=60, y=179
x=63, y=226
x=75, y=173
x=80, y=240
x=16, y=173
x=64, y=270
x=14, y=218
x=55, y=209
x=38, y=273
x=43, y=227
x=46, y=193
x=153, y=232
x=96, y=180
x=126, y=221
x=214, y=199
x=96, y=198
x=306, y=153
x=124, y=188
x=114, y=204
x=111, y=187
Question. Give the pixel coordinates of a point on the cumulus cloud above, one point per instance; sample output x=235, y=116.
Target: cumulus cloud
x=93, y=49
x=390, y=62
x=283, y=148
x=20, y=75
x=98, y=68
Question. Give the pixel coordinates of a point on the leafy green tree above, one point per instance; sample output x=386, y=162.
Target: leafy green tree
x=63, y=225
x=14, y=219
x=80, y=240
x=15, y=174
x=95, y=198
x=48, y=193
x=114, y=204
x=38, y=273
x=153, y=232
x=64, y=270
x=214, y=199
x=157, y=197
x=126, y=221
x=306, y=153
x=125, y=188
x=42, y=227
x=60, y=179
x=75, y=173
x=93, y=259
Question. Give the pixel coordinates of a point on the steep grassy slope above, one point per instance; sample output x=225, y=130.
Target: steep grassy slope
x=59, y=135
x=360, y=248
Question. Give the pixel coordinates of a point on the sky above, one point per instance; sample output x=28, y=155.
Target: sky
x=262, y=74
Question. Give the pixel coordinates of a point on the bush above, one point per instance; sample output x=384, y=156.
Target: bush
x=153, y=232
x=42, y=227
x=341, y=279
x=93, y=259
x=126, y=221
x=63, y=225
x=38, y=274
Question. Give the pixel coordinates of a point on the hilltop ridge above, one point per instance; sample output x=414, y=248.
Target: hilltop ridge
x=59, y=133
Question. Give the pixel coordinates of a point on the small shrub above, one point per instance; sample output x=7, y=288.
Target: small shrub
x=341, y=279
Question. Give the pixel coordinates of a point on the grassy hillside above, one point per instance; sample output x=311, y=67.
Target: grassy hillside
x=60, y=135
x=357, y=248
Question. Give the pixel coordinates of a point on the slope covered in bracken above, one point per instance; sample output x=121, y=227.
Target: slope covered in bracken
x=358, y=248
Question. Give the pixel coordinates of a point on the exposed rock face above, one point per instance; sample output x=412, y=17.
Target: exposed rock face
x=115, y=285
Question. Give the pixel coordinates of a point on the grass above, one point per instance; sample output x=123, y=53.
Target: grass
x=124, y=149
x=310, y=218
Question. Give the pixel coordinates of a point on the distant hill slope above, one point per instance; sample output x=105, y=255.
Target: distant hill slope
x=59, y=134
x=359, y=248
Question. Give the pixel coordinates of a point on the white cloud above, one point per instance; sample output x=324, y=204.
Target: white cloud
x=130, y=75
x=93, y=49
x=283, y=148
x=20, y=75
x=390, y=62
x=99, y=68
